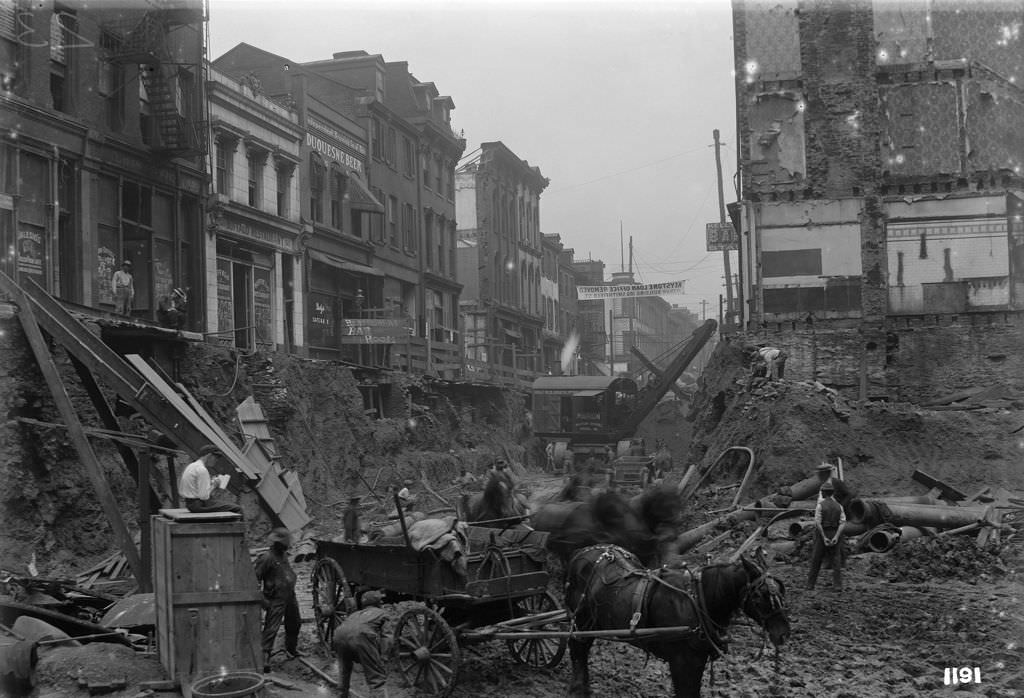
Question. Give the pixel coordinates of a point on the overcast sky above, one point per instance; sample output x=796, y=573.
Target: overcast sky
x=614, y=101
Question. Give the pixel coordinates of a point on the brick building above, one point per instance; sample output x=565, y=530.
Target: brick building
x=499, y=260
x=558, y=302
x=880, y=150
x=102, y=152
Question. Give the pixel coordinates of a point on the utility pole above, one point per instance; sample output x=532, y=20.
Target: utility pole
x=727, y=316
x=703, y=309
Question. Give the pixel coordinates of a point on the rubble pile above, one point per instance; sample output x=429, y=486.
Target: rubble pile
x=949, y=557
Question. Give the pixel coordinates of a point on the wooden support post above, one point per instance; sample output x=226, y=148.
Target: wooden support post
x=172, y=481
x=75, y=430
x=143, y=574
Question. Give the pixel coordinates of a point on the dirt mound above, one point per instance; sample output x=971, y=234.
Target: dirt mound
x=98, y=662
x=792, y=426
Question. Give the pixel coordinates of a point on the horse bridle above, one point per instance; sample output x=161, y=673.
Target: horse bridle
x=776, y=591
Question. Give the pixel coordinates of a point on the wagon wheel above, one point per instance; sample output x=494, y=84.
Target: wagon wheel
x=427, y=651
x=542, y=653
x=332, y=599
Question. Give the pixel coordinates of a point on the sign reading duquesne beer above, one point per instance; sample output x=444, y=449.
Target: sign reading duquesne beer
x=375, y=331
x=593, y=293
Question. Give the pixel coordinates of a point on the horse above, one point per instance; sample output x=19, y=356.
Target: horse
x=608, y=588
x=644, y=525
x=497, y=502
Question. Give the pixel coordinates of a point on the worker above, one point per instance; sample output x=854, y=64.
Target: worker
x=829, y=520
x=827, y=472
x=360, y=637
x=352, y=527
x=197, y=486
x=465, y=480
x=277, y=580
x=124, y=288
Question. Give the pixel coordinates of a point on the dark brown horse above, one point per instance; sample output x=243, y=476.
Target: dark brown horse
x=644, y=525
x=608, y=589
x=497, y=504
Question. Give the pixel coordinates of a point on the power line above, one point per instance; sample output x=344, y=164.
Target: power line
x=622, y=172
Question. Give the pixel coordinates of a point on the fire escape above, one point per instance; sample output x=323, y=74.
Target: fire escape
x=145, y=41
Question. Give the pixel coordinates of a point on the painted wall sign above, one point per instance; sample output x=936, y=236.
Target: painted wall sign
x=282, y=241
x=592, y=293
x=336, y=134
x=333, y=152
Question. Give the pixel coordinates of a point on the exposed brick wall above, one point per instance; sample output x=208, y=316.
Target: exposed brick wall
x=922, y=358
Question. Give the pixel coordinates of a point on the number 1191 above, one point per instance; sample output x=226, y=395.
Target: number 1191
x=965, y=674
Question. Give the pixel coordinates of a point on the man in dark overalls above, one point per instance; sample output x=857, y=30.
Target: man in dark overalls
x=360, y=637
x=278, y=582
x=828, y=530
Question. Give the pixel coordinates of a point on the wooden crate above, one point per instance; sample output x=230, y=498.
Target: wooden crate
x=206, y=596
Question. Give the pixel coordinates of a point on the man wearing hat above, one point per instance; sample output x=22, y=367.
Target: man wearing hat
x=124, y=288
x=196, y=486
x=352, y=526
x=277, y=580
x=360, y=637
x=827, y=472
x=829, y=520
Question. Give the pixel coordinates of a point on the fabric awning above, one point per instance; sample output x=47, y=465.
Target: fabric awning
x=343, y=264
x=513, y=333
x=359, y=196
x=587, y=393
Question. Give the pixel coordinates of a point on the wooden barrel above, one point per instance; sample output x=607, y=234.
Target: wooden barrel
x=206, y=596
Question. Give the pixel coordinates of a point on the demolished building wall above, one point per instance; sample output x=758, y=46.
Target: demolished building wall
x=315, y=413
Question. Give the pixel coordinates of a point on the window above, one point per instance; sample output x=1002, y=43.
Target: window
x=426, y=168
x=451, y=249
x=409, y=227
x=255, y=160
x=449, y=174
x=337, y=195
x=377, y=220
x=410, y=157
x=392, y=214
x=225, y=168
x=378, y=139
x=284, y=186
x=428, y=238
x=389, y=147
x=111, y=81
x=440, y=243
x=62, y=26
x=316, y=191
x=438, y=169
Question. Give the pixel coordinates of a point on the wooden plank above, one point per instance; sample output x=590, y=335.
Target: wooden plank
x=143, y=574
x=199, y=598
x=186, y=516
x=196, y=530
x=75, y=430
x=209, y=429
x=950, y=493
x=292, y=517
x=274, y=493
x=291, y=478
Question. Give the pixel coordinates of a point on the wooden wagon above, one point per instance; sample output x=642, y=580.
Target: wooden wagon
x=504, y=593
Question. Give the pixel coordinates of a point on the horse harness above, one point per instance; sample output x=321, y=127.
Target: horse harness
x=707, y=628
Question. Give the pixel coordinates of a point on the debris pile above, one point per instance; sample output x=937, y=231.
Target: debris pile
x=949, y=557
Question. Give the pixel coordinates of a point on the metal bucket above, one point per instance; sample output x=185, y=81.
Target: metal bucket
x=233, y=684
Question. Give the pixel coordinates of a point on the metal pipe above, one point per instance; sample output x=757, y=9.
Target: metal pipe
x=873, y=511
x=688, y=539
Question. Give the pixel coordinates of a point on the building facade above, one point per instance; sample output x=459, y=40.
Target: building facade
x=253, y=258
x=391, y=138
x=102, y=157
x=881, y=148
x=558, y=306
x=499, y=261
x=591, y=321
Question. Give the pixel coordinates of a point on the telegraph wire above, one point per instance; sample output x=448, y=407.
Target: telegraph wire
x=622, y=172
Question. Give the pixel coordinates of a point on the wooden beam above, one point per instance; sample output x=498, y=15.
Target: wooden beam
x=658, y=373
x=110, y=422
x=949, y=492
x=75, y=431
x=143, y=574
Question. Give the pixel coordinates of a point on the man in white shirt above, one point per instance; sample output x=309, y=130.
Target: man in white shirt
x=124, y=288
x=196, y=486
